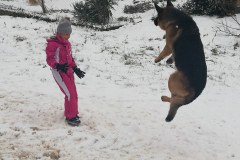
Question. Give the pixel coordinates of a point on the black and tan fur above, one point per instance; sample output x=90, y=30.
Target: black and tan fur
x=184, y=43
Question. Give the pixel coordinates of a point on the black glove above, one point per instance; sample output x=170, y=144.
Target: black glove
x=62, y=67
x=78, y=72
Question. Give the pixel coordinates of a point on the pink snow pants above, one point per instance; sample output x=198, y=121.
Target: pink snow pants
x=67, y=85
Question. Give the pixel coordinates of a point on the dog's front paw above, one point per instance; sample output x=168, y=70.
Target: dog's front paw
x=157, y=60
x=169, y=61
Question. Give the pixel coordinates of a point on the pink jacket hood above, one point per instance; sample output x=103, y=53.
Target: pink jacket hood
x=58, y=39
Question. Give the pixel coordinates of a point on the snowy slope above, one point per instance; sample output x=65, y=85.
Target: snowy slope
x=119, y=99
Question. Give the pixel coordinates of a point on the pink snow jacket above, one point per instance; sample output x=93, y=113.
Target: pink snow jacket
x=59, y=51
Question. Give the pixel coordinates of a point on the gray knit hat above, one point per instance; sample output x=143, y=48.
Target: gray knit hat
x=64, y=27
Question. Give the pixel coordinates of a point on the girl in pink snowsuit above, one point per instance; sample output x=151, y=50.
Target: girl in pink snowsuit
x=59, y=58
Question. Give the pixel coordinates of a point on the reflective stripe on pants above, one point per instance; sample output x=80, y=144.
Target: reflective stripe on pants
x=67, y=86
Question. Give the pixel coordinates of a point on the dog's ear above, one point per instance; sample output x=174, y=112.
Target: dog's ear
x=159, y=9
x=169, y=3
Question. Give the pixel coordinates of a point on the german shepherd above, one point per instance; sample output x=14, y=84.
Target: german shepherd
x=183, y=41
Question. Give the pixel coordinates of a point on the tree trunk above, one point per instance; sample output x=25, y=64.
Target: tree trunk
x=41, y=3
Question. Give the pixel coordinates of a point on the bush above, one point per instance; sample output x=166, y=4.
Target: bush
x=94, y=11
x=138, y=8
x=204, y=7
x=158, y=1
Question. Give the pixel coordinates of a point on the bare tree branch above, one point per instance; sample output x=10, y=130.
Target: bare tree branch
x=223, y=27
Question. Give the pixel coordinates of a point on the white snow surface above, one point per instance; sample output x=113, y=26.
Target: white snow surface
x=122, y=115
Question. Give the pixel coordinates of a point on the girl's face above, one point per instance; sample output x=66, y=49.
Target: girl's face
x=65, y=37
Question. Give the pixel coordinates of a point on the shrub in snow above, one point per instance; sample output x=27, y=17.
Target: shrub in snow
x=206, y=7
x=138, y=8
x=94, y=11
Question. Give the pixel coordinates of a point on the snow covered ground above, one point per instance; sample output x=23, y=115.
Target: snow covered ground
x=119, y=99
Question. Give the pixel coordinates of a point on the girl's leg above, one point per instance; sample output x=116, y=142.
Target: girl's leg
x=68, y=87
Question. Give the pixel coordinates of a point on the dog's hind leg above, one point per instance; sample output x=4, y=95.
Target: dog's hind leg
x=181, y=93
x=165, y=99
